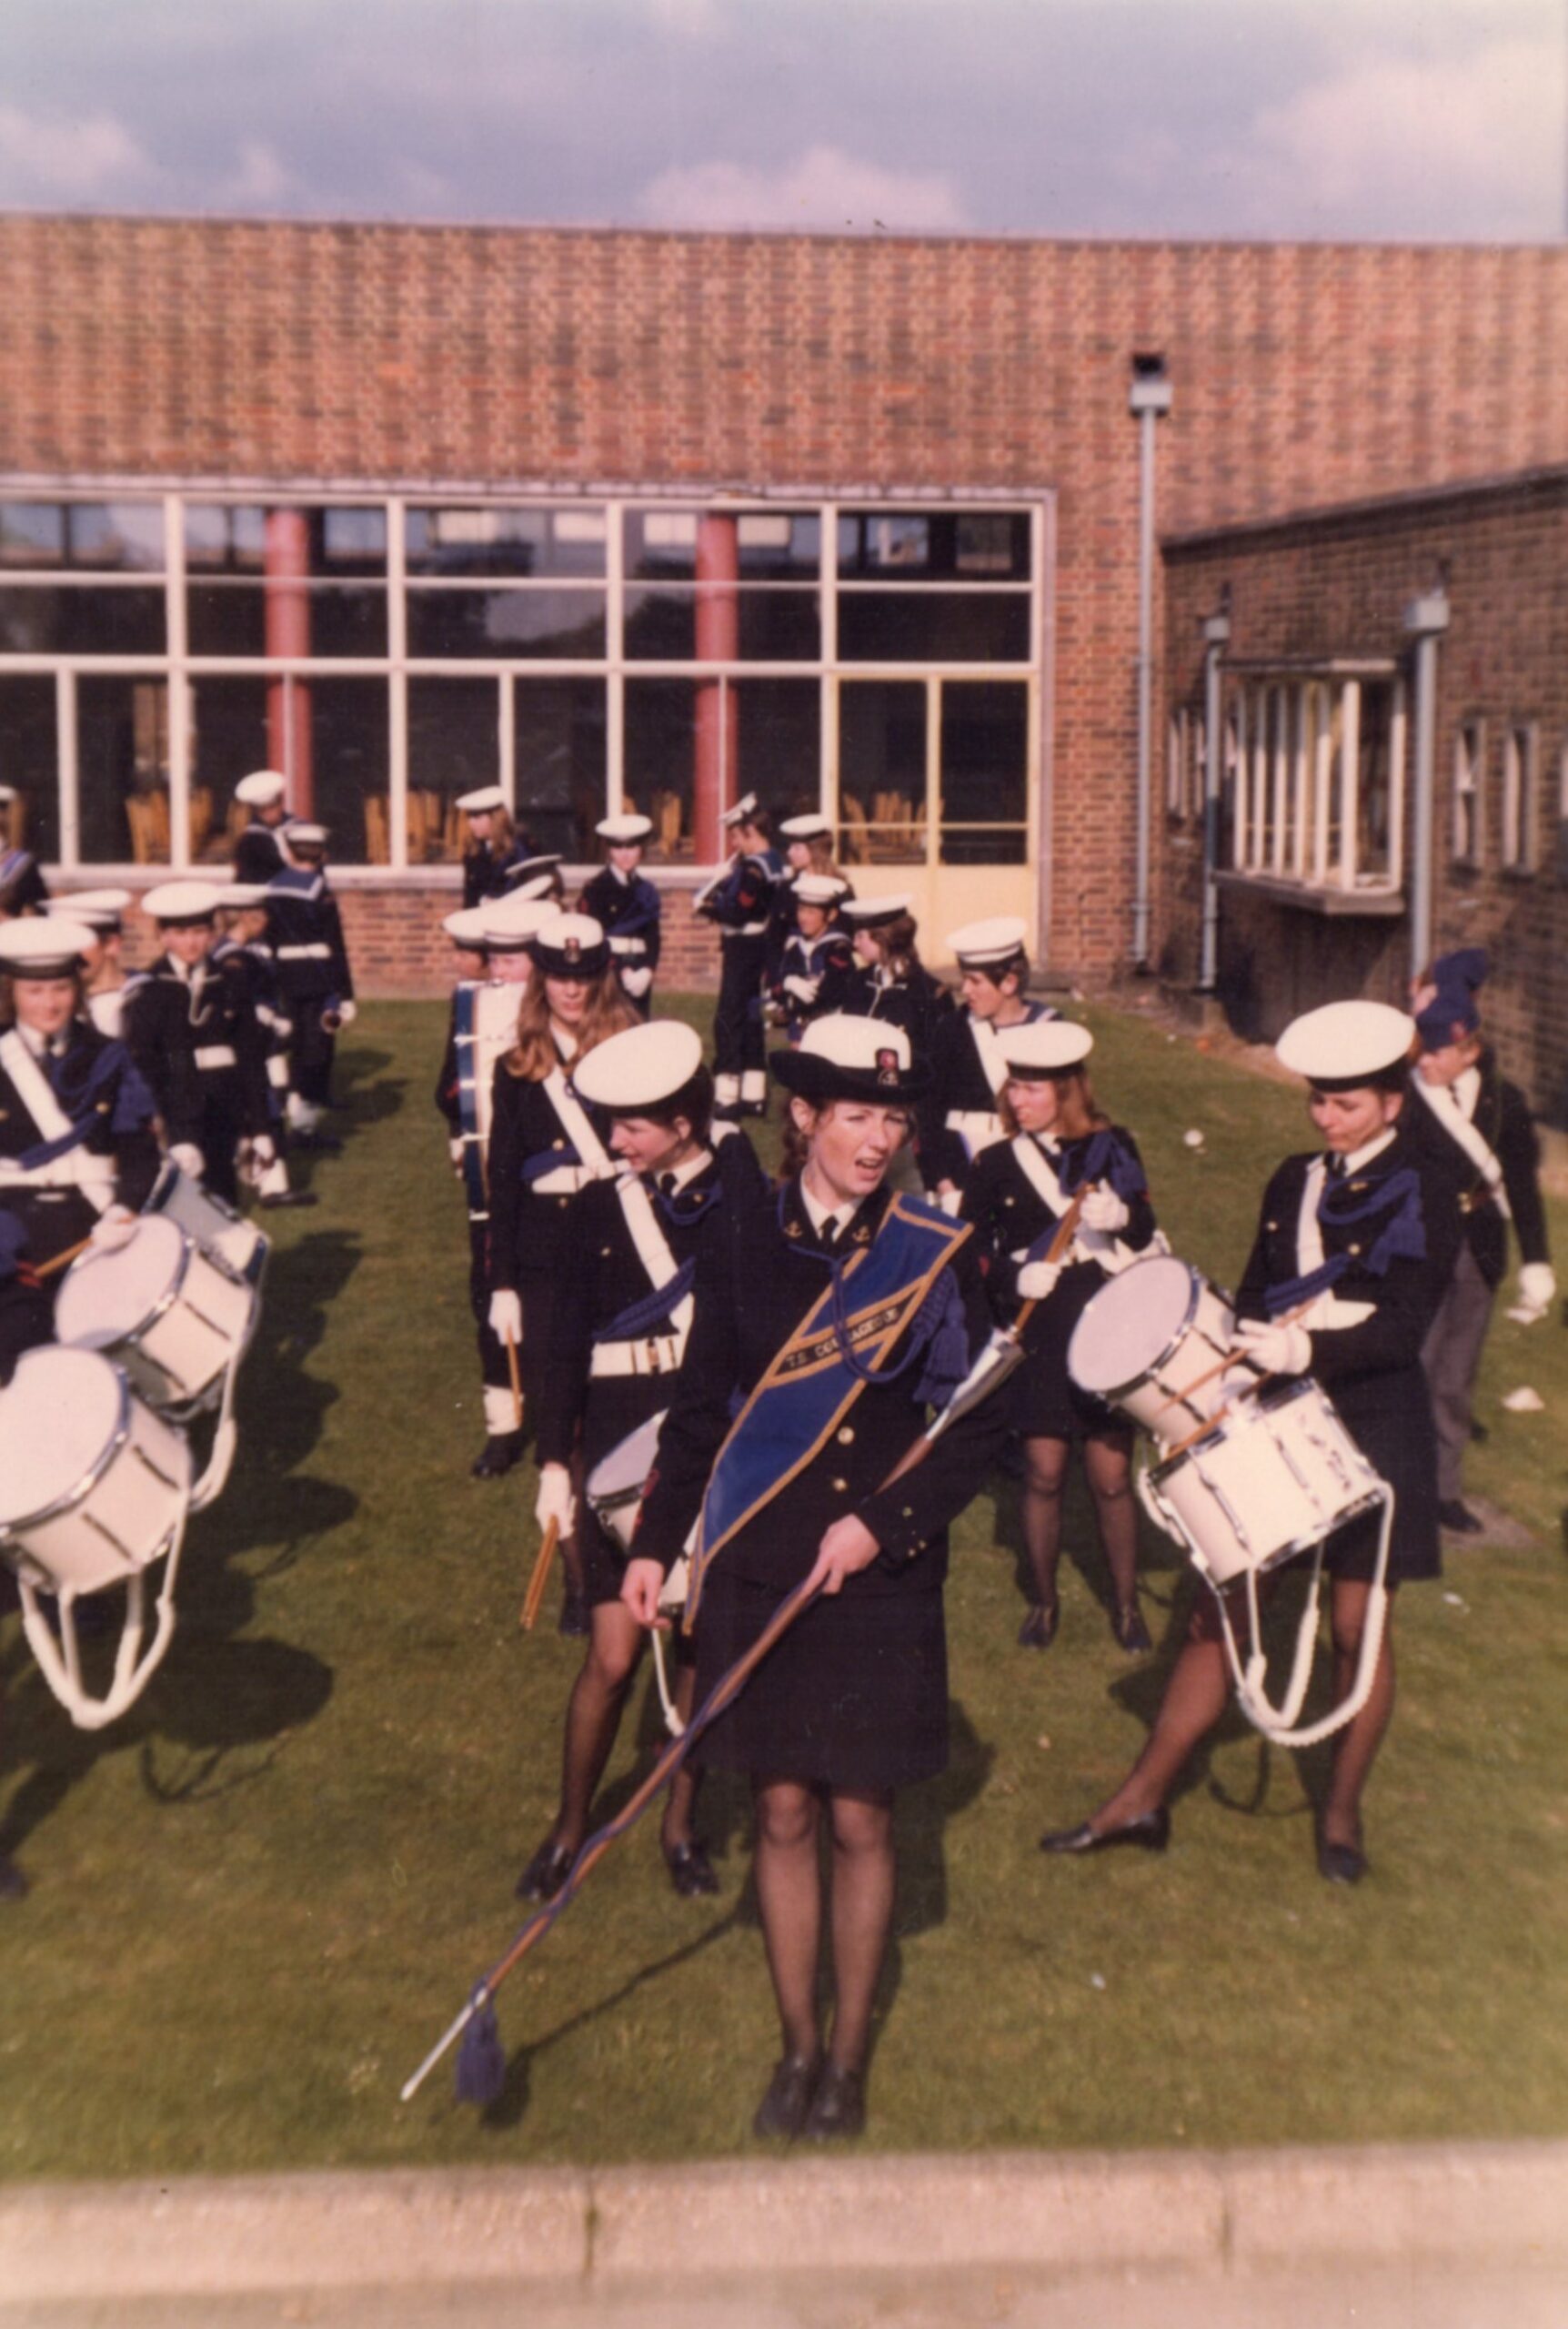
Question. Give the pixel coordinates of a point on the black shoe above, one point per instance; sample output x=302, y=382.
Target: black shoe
x=1131, y=1631
x=1151, y=1831
x=575, y=1621
x=1458, y=1519
x=316, y=1144
x=783, y=2109
x=498, y=1454
x=546, y=1872
x=690, y=1870
x=281, y=1197
x=838, y=2111
x=13, y=1885
x=1340, y=1863
x=1038, y=1630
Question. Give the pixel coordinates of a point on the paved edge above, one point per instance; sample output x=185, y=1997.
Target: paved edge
x=1044, y=2211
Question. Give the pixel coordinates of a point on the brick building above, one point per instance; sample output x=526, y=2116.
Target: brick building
x=650, y=517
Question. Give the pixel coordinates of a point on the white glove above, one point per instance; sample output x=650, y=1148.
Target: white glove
x=951, y=1201
x=556, y=1500
x=803, y=989
x=1537, y=1293
x=455, y=1152
x=264, y=1148
x=1105, y=1210
x=636, y=983
x=116, y=1226
x=1276, y=1349
x=507, y=1315
x=189, y=1158
x=347, y=1013
x=1037, y=1280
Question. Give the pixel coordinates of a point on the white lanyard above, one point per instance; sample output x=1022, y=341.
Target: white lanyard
x=1459, y=1127
x=94, y=1175
x=653, y=1252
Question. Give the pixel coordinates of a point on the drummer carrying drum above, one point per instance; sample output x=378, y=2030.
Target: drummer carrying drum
x=1354, y=1248
x=630, y=1253
x=1062, y=1149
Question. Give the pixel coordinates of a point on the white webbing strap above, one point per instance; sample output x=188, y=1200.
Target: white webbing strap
x=77, y=1168
x=1470, y=1137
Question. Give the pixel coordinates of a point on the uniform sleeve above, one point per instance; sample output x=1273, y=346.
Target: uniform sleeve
x=569, y=1353
x=942, y=1156
x=1252, y=1293
x=836, y=992
x=981, y=1209
x=1141, y=1224
x=342, y=976
x=1519, y=1154
x=1408, y=1297
x=506, y=1162
x=699, y=1419
x=252, y=1043
x=652, y=935
x=447, y=1099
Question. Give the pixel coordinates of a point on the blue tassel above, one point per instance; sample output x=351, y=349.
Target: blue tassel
x=946, y=1343
x=481, y=2062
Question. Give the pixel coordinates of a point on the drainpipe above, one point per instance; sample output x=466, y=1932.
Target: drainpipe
x=1216, y=638
x=1147, y=397
x=1426, y=619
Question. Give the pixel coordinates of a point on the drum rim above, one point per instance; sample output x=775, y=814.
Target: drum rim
x=161, y=1306
x=1252, y=1401
x=169, y=1180
x=117, y=1438
x=1292, y=1551
x=1111, y=1392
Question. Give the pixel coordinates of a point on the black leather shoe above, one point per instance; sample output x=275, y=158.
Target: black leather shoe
x=1038, y=1630
x=13, y=1883
x=281, y=1197
x=546, y=1872
x=1340, y=1863
x=837, y=2110
x=1152, y=1831
x=498, y=1454
x=1460, y=1520
x=317, y=1143
x=783, y=2109
x=690, y=1870
x=1131, y=1631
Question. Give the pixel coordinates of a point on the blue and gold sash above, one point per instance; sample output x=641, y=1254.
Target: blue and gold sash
x=844, y=1342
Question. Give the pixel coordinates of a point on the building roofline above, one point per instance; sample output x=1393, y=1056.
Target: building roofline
x=1509, y=484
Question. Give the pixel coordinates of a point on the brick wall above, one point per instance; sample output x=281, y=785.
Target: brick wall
x=1337, y=585
x=337, y=354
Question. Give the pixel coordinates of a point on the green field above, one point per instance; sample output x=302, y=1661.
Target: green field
x=256, y=1902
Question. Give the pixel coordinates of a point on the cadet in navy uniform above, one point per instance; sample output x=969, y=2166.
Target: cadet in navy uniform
x=1481, y=1126
x=304, y=931
x=836, y=1323
x=959, y=1118
x=815, y=969
x=496, y=848
x=22, y=889
x=628, y=1258
x=739, y=901
x=626, y=904
x=890, y=982
x=260, y=851
x=1060, y=1145
x=242, y=952
x=1367, y=1232
x=193, y=1036
x=99, y=912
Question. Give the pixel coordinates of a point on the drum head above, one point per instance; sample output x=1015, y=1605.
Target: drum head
x=57, y=1420
x=1131, y=1322
x=106, y=1297
x=628, y=1463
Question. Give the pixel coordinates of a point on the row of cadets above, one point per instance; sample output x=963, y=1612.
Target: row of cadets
x=193, y=1036
x=890, y=982
x=1482, y=1125
x=738, y=900
x=623, y=900
x=961, y=1116
x=630, y=1258
x=880, y=1296
x=492, y=942
x=305, y=930
x=497, y=851
x=22, y=889
x=1367, y=1230
x=1059, y=1144
x=545, y=1148
x=100, y=914
x=813, y=972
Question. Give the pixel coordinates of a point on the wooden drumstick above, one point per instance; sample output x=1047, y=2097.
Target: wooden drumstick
x=1235, y=1355
x=534, y=1597
x=517, y=1381
x=63, y=1260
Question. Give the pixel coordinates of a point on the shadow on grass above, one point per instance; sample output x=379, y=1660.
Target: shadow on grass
x=1158, y=1557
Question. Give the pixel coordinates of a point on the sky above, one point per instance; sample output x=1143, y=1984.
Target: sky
x=1360, y=119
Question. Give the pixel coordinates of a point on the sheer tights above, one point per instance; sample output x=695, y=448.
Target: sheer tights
x=789, y=1893
x=593, y=1718
x=1108, y=1468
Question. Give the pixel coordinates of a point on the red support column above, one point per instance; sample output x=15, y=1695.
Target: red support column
x=714, y=784
x=287, y=568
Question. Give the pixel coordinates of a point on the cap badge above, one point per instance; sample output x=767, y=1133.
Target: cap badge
x=887, y=1067
x=572, y=949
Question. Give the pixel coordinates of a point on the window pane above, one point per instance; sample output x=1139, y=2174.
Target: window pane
x=780, y=545
x=506, y=625
x=1374, y=783
x=230, y=737
x=559, y=731
x=283, y=539
x=660, y=543
x=477, y=540
x=882, y=772
x=660, y=762
x=32, y=533
x=294, y=619
x=454, y=746
x=934, y=546
x=344, y=724
x=778, y=733
x=81, y=620
x=115, y=534
x=123, y=770
x=985, y=771
x=662, y=626
x=936, y=627
x=29, y=757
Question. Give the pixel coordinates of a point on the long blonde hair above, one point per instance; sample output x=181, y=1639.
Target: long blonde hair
x=534, y=1057
x=1077, y=1109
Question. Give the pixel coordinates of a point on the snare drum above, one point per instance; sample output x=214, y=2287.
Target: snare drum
x=614, y=1487
x=1278, y=1474
x=210, y=1224
x=93, y=1484
x=1154, y=1341
x=164, y=1308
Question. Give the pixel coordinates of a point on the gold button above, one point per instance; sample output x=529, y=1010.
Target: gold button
x=847, y=1436
x=840, y=1488
x=1356, y=1249
x=908, y=1512
x=1271, y=1225
x=558, y=1144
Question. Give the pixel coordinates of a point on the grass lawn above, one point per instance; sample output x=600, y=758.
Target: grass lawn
x=258, y=1900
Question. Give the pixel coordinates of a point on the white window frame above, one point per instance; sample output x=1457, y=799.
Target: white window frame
x=1295, y=739
x=1521, y=795
x=1467, y=831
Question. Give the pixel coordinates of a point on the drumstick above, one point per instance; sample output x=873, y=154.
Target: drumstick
x=1230, y=1358
x=517, y=1381
x=57, y=1262
x=535, y=1595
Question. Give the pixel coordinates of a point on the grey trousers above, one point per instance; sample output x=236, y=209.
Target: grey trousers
x=1450, y=1357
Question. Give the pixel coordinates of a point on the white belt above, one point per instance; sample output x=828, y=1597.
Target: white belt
x=978, y=1128
x=277, y=1071
x=654, y=1354
x=628, y=945
x=316, y=952
x=214, y=1056
x=746, y=930
x=564, y=1181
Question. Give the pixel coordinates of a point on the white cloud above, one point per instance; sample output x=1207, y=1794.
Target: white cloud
x=58, y=158
x=260, y=177
x=821, y=187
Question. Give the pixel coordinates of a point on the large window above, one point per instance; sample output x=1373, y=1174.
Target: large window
x=390, y=654
x=1315, y=779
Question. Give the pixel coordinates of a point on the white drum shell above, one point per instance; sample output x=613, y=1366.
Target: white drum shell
x=163, y=1309
x=120, y=1515
x=210, y=1224
x=614, y=1487
x=1131, y=1324
x=1275, y=1476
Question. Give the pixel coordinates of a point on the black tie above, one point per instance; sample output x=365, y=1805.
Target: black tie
x=666, y=1185
x=1336, y=1168
x=828, y=1235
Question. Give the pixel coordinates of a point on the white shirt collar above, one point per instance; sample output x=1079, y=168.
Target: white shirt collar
x=683, y=1174
x=1465, y=1090
x=1359, y=1157
x=819, y=1215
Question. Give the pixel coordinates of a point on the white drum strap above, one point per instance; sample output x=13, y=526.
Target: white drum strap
x=94, y=1175
x=653, y=1252
x=596, y=1160
x=60, y=1661
x=1470, y=1137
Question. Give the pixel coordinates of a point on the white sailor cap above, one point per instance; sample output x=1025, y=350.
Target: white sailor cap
x=467, y=928
x=990, y=945
x=571, y=946
x=644, y=1066
x=7, y=794
x=508, y=925
x=261, y=787
x=843, y=1056
x=871, y=914
x=235, y=897
x=812, y=826
x=1349, y=1046
x=483, y=802
x=1044, y=1047
x=621, y=831
x=818, y=889
x=43, y=946
x=742, y=813
x=173, y=902
x=304, y=836
x=99, y=910
x=528, y=871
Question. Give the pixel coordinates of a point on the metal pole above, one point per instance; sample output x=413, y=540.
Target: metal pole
x=1216, y=632
x=1427, y=617
x=1145, y=678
